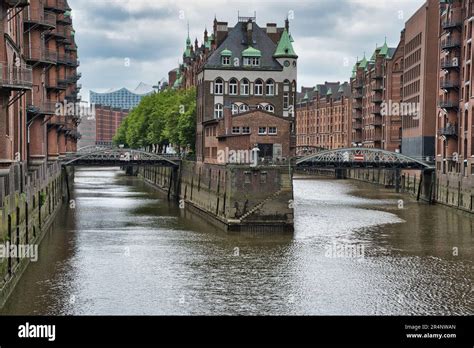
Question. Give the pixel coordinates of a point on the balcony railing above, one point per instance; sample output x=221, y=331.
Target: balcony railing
x=41, y=54
x=39, y=16
x=449, y=84
x=450, y=43
x=16, y=78
x=358, y=84
x=45, y=107
x=377, y=100
x=452, y=63
x=378, y=87
x=377, y=76
x=357, y=125
x=57, y=5
x=62, y=59
x=357, y=106
x=357, y=96
x=17, y=3
x=377, y=110
x=450, y=131
x=451, y=24
x=448, y=105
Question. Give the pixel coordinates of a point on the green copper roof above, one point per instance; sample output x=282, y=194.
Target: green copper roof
x=341, y=89
x=306, y=96
x=354, y=70
x=226, y=52
x=372, y=59
x=285, y=48
x=67, y=14
x=329, y=91
x=251, y=52
x=316, y=89
x=363, y=63
x=384, y=49
x=187, y=52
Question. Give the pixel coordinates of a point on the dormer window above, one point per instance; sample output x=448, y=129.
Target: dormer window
x=225, y=57
x=225, y=60
x=254, y=61
x=251, y=57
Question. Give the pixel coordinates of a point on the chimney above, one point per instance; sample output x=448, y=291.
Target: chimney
x=249, y=32
x=287, y=25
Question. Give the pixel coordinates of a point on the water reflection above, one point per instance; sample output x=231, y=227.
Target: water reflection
x=126, y=250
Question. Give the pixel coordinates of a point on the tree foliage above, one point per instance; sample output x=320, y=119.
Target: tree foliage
x=160, y=119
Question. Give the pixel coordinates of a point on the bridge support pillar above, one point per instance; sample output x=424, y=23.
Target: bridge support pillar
x=397, y=180
x=341, y=173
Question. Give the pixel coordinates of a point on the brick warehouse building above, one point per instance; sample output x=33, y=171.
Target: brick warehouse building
x=246, y=92
x=38, y=60
x=455, y=120
x=323, y=115
x=375, y=87
x=419, y=78
x=108, y=120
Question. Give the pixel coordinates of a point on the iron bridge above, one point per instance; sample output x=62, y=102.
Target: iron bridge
x=107, y=156
x=361, y=158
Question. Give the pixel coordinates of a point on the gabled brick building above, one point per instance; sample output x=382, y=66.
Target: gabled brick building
x=246, y=92
x=376, y=85
x=323, y=118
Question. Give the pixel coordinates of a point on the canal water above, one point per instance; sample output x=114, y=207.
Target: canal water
x=357, y=250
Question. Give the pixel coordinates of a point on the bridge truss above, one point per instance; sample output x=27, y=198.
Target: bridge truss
x=114, y=156
x=361, y=158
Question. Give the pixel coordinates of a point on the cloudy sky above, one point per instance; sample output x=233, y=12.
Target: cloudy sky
x=123, y=42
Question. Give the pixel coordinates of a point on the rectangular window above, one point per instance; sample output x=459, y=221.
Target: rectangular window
x=245, y=130
x=286, y=100
x=235, y=130
x=225, y=60
x=262, y=130
x=272, y=130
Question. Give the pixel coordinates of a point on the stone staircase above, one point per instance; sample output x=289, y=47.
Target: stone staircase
x=261, y=204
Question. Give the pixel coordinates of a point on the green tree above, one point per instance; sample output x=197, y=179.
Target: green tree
x=161, y=119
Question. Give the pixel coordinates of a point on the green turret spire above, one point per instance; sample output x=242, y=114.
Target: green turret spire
x=285, y=47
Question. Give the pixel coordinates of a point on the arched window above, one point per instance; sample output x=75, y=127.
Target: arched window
x=270, y=87
x=270, y=108
x=258, y=89
x=235, y=109
x=219, y=86
x=233, y=86
x=244, y=87
x=244, y=108
x=218, y=111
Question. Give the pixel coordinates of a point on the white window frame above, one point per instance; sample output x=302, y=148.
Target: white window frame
x=218, y=111
x=270, y=108
x=225, y=60
x=233, y=87
x=270, y=87
x=244, y=87
x=244, y=108
x=272, y=133
x=219, y=86
x=235, y=130
x=235, y=109
x=262, y=133
x=246, y=130
x=258, y=87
